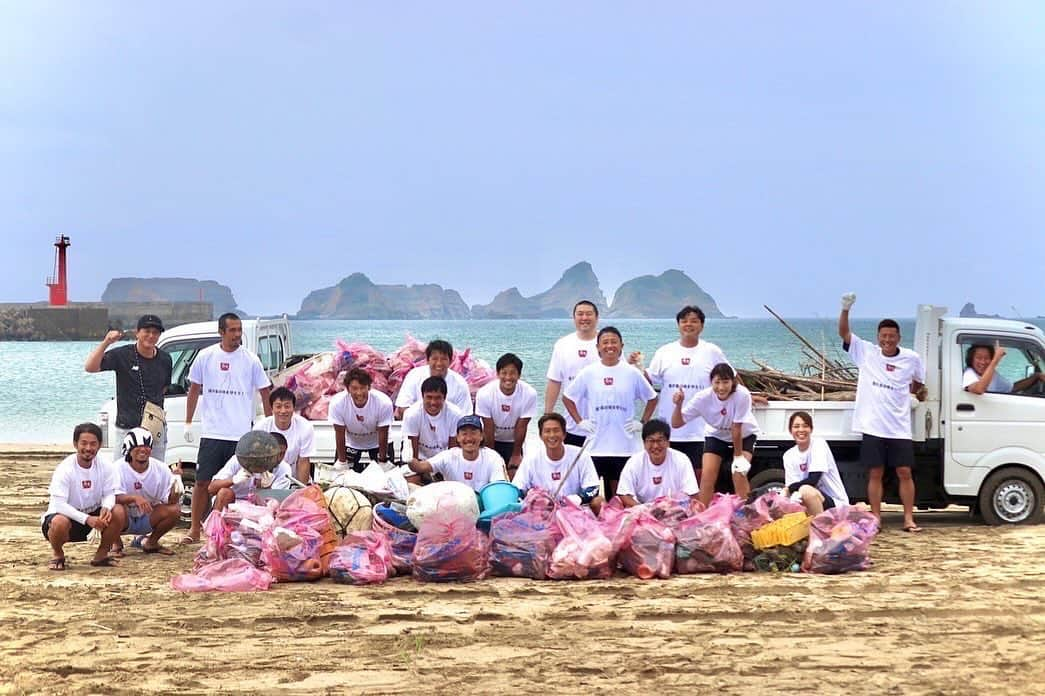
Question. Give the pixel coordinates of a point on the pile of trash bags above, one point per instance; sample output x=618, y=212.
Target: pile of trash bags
x=316, y=380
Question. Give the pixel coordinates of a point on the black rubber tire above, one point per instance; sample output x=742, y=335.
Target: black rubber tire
x=766, y=478
x=1012, y=495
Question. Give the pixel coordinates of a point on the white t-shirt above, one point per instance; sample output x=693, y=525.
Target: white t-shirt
x=300, y=437
x=611, y=393
x=229, y=382
x=432, y=432
x=154, y=485
x=720, y=415
x=673, y=367
x=646, y=481
x=883, y=389
x=232, y=467
x=538, y=470
x=570, y=355
x=505, y=409
x=361, y=424
x=452, y=466
x=818, y=457
x=76, y=491
x=457, y=391
x=998, y=384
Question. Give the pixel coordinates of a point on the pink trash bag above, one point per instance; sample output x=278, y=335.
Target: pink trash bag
x=840, y=540
x=521, y=543
x=649, y=550
x=585, y=552
x=363, y=558
x=616, y=522
x=291, y=553
x=215, y=541
x=231, y=575
x=671, y=510
x=449, y=548
x=705, y=542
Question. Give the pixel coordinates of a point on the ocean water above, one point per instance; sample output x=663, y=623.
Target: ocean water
x=44, y=390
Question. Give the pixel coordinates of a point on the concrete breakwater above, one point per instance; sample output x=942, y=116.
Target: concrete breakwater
x=85, y=321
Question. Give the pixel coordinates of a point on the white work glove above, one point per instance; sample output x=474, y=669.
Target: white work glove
x=741, y=466
x=847, y=300
x=588, y=426
x=574, y=498
x=796, y=497
x=187, y=433
x=266, y=479
x=340, y=465
x=241, y=477
x=633, y=427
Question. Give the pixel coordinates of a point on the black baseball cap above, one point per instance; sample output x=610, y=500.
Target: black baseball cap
x=150, y=321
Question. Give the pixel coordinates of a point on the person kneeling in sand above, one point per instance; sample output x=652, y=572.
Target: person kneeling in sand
x=83, y=497
x=657, y=471
x=145, y=487
x=234, y=482
x=549, y=467
x=810, y=474
x=469, y=463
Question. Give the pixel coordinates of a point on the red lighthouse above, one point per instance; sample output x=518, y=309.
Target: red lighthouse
x=58, y=284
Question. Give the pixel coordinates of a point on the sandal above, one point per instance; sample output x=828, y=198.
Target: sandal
x=186, y=540
x=116, y=551
x=912, y=528
x=57, y=563
x=107, y=562
x=162, y=550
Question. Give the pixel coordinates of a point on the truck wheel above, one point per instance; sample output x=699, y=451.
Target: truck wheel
x=1012, y=496
x=767, y=480
x=188, y=477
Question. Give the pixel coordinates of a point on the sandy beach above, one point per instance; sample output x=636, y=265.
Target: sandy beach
x=958, y=609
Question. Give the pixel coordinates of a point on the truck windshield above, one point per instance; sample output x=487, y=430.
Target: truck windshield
x=183, y=352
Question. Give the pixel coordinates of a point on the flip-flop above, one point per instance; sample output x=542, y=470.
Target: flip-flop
x=186, y=540
x=137, y=542
x=117, y=551
x=160, y=549
x=912, y=528
x=107, y=562
x=57, y=564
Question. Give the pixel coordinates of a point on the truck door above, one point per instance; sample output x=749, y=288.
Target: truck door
x=980, y=424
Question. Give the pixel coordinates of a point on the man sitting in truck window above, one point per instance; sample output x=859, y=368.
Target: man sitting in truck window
x=431, y=423
x=438, y=355
x=889, y=374
x=361, y=418
x=980, y=376
x=297, y=430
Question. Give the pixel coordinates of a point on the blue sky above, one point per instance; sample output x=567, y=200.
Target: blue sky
x=776, y=152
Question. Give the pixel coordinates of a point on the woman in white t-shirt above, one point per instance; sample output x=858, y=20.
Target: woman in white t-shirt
x=810, y=474
x=730, y=428
x=980, y=376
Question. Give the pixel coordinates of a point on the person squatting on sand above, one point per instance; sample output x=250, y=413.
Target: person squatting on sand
x=147, y=490
x=82, y=498
x=234, y=482
x=810, y=474
x=730, y=428
x=361, y=417
x=469, y=462
x=572, y=353
x=610, y=388
x=227, y=374
x=549, y=467
x=889, y=374
x=659, y=470
x=506, y=406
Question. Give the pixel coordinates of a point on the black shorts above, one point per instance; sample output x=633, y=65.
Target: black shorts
x=575, y=440
x=77, y=531
x=829, y=502
x=212, y=455
x=693, y=449
x=504, y=449
x=713, y=445
x=894, y=453
x=609, y=468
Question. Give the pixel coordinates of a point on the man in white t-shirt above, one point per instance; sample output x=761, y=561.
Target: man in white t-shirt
x=438, y=356
x=610, y=388
x=469, y=463
x=889, y=374
x=297, y=430
x=431, y=424
x=361, y=418
x=572, y=353
x=146, y=489
x=506, y=407
x=226, y=375
x=562, y=470
x=82, y=498
x=233, y=482
x=981, y=372
x=658, y=470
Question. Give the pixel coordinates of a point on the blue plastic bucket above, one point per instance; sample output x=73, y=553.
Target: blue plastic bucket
x=498, y=494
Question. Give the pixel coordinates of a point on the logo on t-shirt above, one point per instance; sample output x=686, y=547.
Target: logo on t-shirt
x=556, y=475
x=890, y=368
x=657, y=480
x=581, y=353
x=608, y=381
x=685, y=361
x=468, y=476
x=137, y=485
x=804, y=466
x=722, y=412
x=505, y=408
x=359, y=418
x=224, y=367
x=85, y=484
